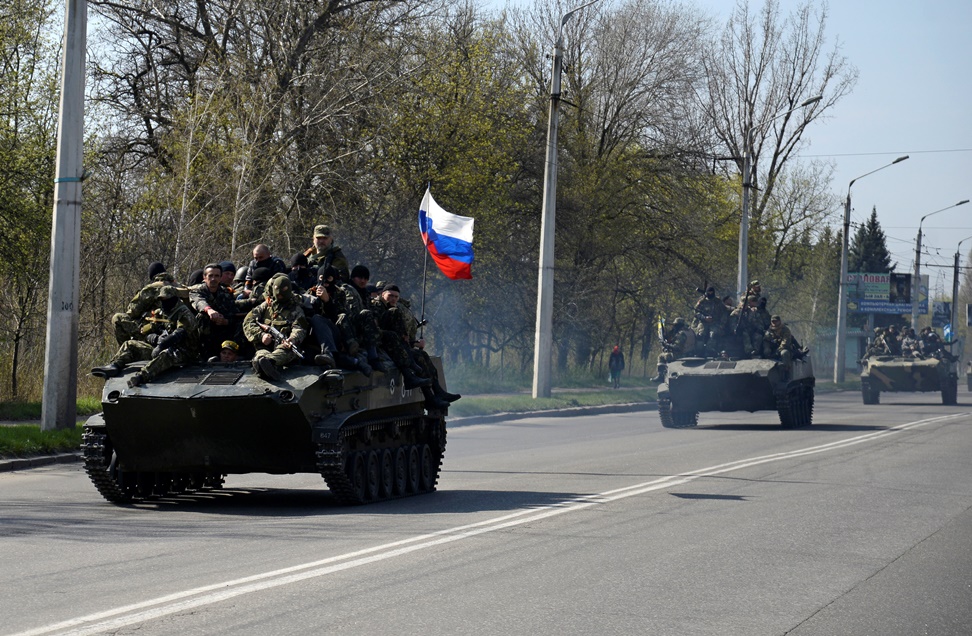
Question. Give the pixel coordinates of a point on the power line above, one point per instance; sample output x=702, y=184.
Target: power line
x=871, y=154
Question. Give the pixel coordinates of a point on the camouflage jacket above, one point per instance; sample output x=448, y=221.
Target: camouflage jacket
x=333, y=257
x=147, y=297
x=181, y=317
x=779, y=339
x=288, y=319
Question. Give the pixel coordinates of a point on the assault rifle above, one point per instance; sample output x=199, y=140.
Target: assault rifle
x=279, y=338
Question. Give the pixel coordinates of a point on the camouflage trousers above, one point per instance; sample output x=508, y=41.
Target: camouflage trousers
x=125, y=328
x=279, y=356
x=136, y=351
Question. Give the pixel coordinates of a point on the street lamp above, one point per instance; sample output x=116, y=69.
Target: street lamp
x=743, y=266
x=543, y=341
x=955, y=286
x=842, y=286
x=916, y=284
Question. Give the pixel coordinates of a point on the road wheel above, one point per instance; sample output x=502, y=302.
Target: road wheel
x=401, y=471
x=414, y=470
x=357, y=477
x=387, y=474
x=374, y=475
x=427, y=478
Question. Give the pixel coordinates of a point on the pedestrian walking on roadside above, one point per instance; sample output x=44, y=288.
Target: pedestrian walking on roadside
x=616, y=366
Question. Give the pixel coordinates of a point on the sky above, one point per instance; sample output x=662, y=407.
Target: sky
x=912, y=97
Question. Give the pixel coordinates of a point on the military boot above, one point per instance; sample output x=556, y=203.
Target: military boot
x=662, y=371
x=412, y=381
x=266, y=369
x=108, y=371
x=324, y=358
x=136, y=380
x=442, y=394
x=432, y=401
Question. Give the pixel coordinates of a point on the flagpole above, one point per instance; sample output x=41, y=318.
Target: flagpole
x=425, y=271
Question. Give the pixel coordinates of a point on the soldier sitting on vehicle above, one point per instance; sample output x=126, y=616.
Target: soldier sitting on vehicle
x=877, y=346
x=892, y=340
x=779, y=343
x=748, y=326
x=679, y=342
x=910, y=346
x=276, y=327
x=129, y=325
x=178, y=344
x=710, y=320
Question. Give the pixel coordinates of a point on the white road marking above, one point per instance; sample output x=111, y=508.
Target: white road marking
x=135, y=613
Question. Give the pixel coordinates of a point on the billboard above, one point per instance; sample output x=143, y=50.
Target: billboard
x=884, y=293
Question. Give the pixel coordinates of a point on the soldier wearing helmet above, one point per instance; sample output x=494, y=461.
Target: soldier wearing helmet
x=679, y=342
x=178, y=343
x=280, y=310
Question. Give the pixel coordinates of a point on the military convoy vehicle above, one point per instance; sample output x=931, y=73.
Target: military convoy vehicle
x=894, y=374
x=700, y=385
x=370, y=439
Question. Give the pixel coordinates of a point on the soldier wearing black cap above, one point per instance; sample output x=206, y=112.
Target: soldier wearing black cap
x=302, y=276
x=229, y=272
x=326, y=254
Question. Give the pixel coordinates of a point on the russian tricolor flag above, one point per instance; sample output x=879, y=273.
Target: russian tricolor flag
x=448, y=238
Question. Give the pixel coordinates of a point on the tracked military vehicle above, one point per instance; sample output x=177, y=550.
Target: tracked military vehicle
x=700, y=385
x=894, y=374
x=369, y=438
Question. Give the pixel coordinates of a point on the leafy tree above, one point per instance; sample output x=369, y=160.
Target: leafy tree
x=868, y=251
x=28, y=102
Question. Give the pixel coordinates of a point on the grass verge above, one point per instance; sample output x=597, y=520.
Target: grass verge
x=524, y=402
x=24, y=440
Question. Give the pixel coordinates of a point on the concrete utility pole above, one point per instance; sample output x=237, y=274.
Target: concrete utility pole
x=543, y=341
x=842, y=285
x=916, y=285
x=59, y=406
x=955, y=286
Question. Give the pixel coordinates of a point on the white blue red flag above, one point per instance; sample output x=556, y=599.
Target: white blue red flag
x=448, y=238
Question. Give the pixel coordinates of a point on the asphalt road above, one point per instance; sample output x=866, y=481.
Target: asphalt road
x=861, y=524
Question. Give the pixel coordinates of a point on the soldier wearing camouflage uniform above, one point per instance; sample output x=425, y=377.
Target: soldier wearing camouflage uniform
x=711, y=318
x=748, y=326
x=177, y=345
x=678, y=343
x=128, y=325
x=281, y=309
x=327, y=254
x=395, y=318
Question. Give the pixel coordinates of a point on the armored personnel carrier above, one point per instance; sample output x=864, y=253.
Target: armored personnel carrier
x=894, y=374
x=700, y=385
x=369, y=438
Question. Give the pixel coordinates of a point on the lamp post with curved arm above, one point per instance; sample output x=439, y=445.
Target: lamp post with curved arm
x=916, y=284
x=543, y=341
x=743, y=264
x=842, y=286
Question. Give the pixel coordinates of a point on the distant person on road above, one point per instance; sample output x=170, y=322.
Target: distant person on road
x=616, y=366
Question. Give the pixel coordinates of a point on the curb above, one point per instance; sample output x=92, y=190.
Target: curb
x=24, y=463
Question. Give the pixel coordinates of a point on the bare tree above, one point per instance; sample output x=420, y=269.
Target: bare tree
x=763, y=66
